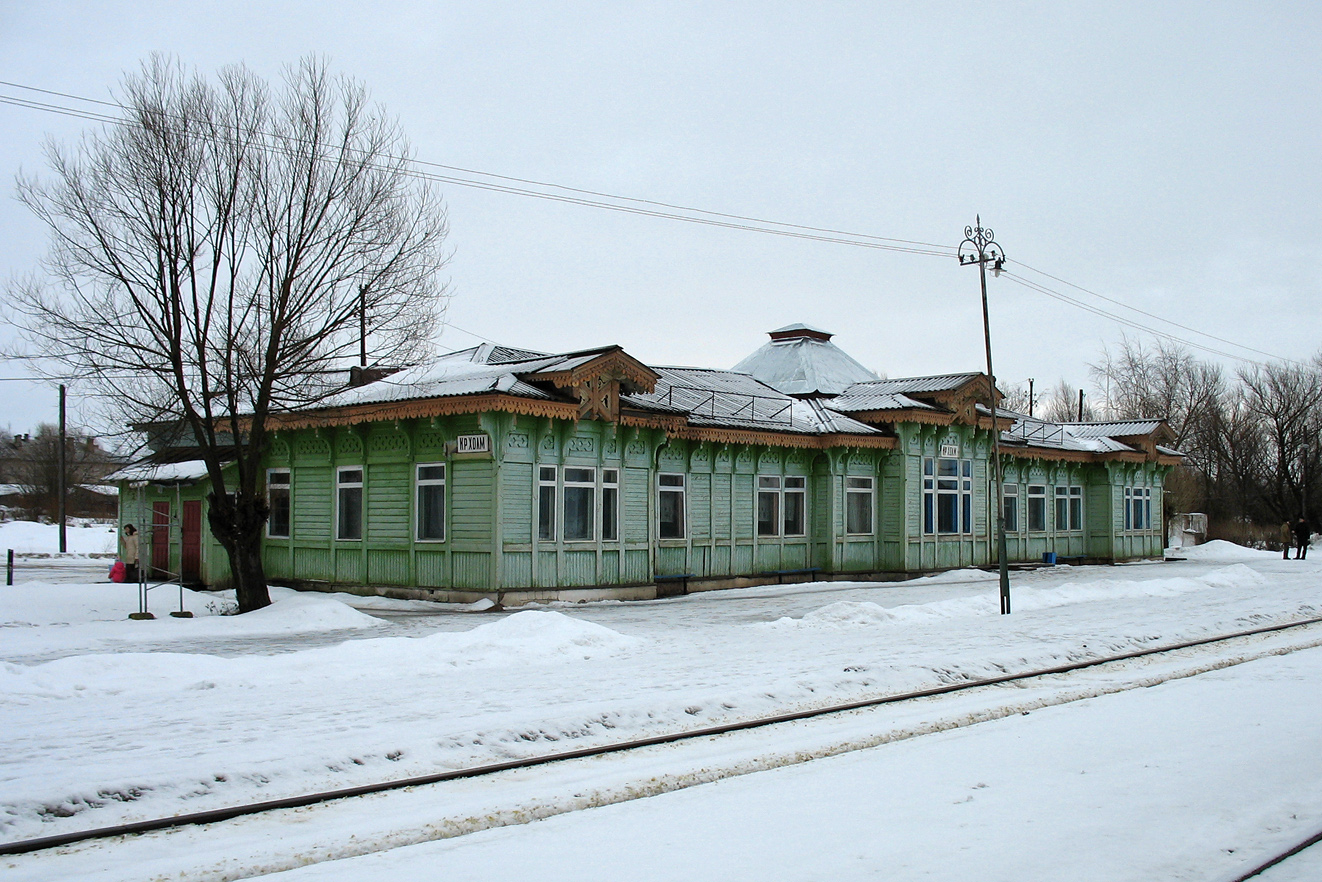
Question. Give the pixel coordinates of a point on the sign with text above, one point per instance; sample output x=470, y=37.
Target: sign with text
x=473, y=444
x=950, y=451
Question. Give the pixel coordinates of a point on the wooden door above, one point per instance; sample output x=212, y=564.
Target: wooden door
x=160, y=540
x=190, y=564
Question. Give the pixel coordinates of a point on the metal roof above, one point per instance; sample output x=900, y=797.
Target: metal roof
x=918, y=385
x=805, y=365
x=1114, y=428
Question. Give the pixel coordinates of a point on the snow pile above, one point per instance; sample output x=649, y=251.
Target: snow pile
x=27, y=537
x=854, y=614
x=534, y=634
x=1221, y=550
x=46, y=603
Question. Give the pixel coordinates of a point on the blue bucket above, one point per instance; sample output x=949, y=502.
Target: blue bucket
x=1049, y=558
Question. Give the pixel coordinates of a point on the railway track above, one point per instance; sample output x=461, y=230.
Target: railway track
x=679, y=780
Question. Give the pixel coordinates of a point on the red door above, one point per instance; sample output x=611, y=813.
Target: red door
x=190, y=565
x=160, y=540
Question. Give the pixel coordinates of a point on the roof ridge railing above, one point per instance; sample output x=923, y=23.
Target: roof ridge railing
x=1045, y=432
x=703, y=402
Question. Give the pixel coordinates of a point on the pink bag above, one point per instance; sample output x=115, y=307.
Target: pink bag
x=118, y=571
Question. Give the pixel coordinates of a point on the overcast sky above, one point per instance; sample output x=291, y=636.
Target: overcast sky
x=1165, y=155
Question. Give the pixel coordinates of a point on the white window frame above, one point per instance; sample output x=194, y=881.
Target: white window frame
x=794, y=485
x=610, y=513
x=858, y=485
x=937, y=487
x=680, y=488
x=1070, y=497
x=1010, y=503
x=1036, y=493
x=288, y=487
x=547, y=517
x=340, y=486
x=420, y=484
x=768, y=492
x=578, y=484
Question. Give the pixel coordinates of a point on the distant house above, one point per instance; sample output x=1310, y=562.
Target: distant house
x=519, y=475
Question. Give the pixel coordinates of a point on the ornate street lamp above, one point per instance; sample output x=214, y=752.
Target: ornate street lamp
x=980, y=247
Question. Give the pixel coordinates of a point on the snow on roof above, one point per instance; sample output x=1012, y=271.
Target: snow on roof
x=144, y=472
x=919, y=385
x=804, y=365
x=1122, y=428
x=731, y=399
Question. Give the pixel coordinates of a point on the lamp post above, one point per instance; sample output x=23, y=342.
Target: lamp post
x=980, y=247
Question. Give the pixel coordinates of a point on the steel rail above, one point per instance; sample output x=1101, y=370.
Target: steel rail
x=212, y=816
x=1260, y=868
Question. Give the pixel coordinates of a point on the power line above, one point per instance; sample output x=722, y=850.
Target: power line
x=668, y=211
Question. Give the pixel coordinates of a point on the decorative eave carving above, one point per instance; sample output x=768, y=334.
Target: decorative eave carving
x=422, y=408
x=906, y=415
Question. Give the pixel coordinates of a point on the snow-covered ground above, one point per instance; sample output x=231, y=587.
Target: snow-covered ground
x=81, y=538
x=107, y=720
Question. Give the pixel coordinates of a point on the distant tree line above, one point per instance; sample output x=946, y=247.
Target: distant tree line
x=30, y=474
x=1250, y=436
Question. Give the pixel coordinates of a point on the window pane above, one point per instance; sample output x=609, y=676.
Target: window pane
x=431, y=473
x=672, y=480
x=947, y=513
x=547, y=474
x=947, y=468
x=967, y=468
x=768, y=482
x=546, y=512
x=858, y=512
x=1011, y=514
x=791, y=483
x=610, y=513
x=768, y=514
x=928, y=513
x=795, y=521
x=858, y=483
x=578, y=511
x=350, y=513
x=1037, y=513
x=1076, y=513
x=351, y=476
x=580, y=476
x=431, y=511
x=278, y=525
x=610, y=476
x=966, y=513
x=1062, y=513
x=670, y=510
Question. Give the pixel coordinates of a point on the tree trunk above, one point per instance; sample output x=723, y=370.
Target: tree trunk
x=237, y=525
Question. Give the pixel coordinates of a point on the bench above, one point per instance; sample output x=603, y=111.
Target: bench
x=781, y=574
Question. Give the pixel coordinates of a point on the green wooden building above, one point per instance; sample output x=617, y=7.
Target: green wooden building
x=517, y=475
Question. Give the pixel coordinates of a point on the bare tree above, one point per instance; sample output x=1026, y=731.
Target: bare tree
x=212, y=256
x=1286, y=400
x=33, y=464
x=1061, y=405
x=1164, y=381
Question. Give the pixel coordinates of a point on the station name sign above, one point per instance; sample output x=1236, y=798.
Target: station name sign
x=950, y=451
x=472, y=444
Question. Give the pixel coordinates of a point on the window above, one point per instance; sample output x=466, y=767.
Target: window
x=1138, y=508
x=349, y=504
x=781, y=506
x=610, y=504
x=431, y=502
x=929, y=495
x=277, y=496
x=580, y=503
x=948, y=490
x=858, y=506
x=796, y=506
x=1069, y=508
x=670, y=506
x=1037, y=508
x=768, y=505
x=546, y=503
x=1010, y=496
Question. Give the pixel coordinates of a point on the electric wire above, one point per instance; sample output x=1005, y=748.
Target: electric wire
x=667, y=211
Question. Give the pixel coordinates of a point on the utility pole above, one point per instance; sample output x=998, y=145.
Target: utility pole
x=1030, y=396
x=1080, y=405
x=362, y=326
x=62, y=482
x=980, y=247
